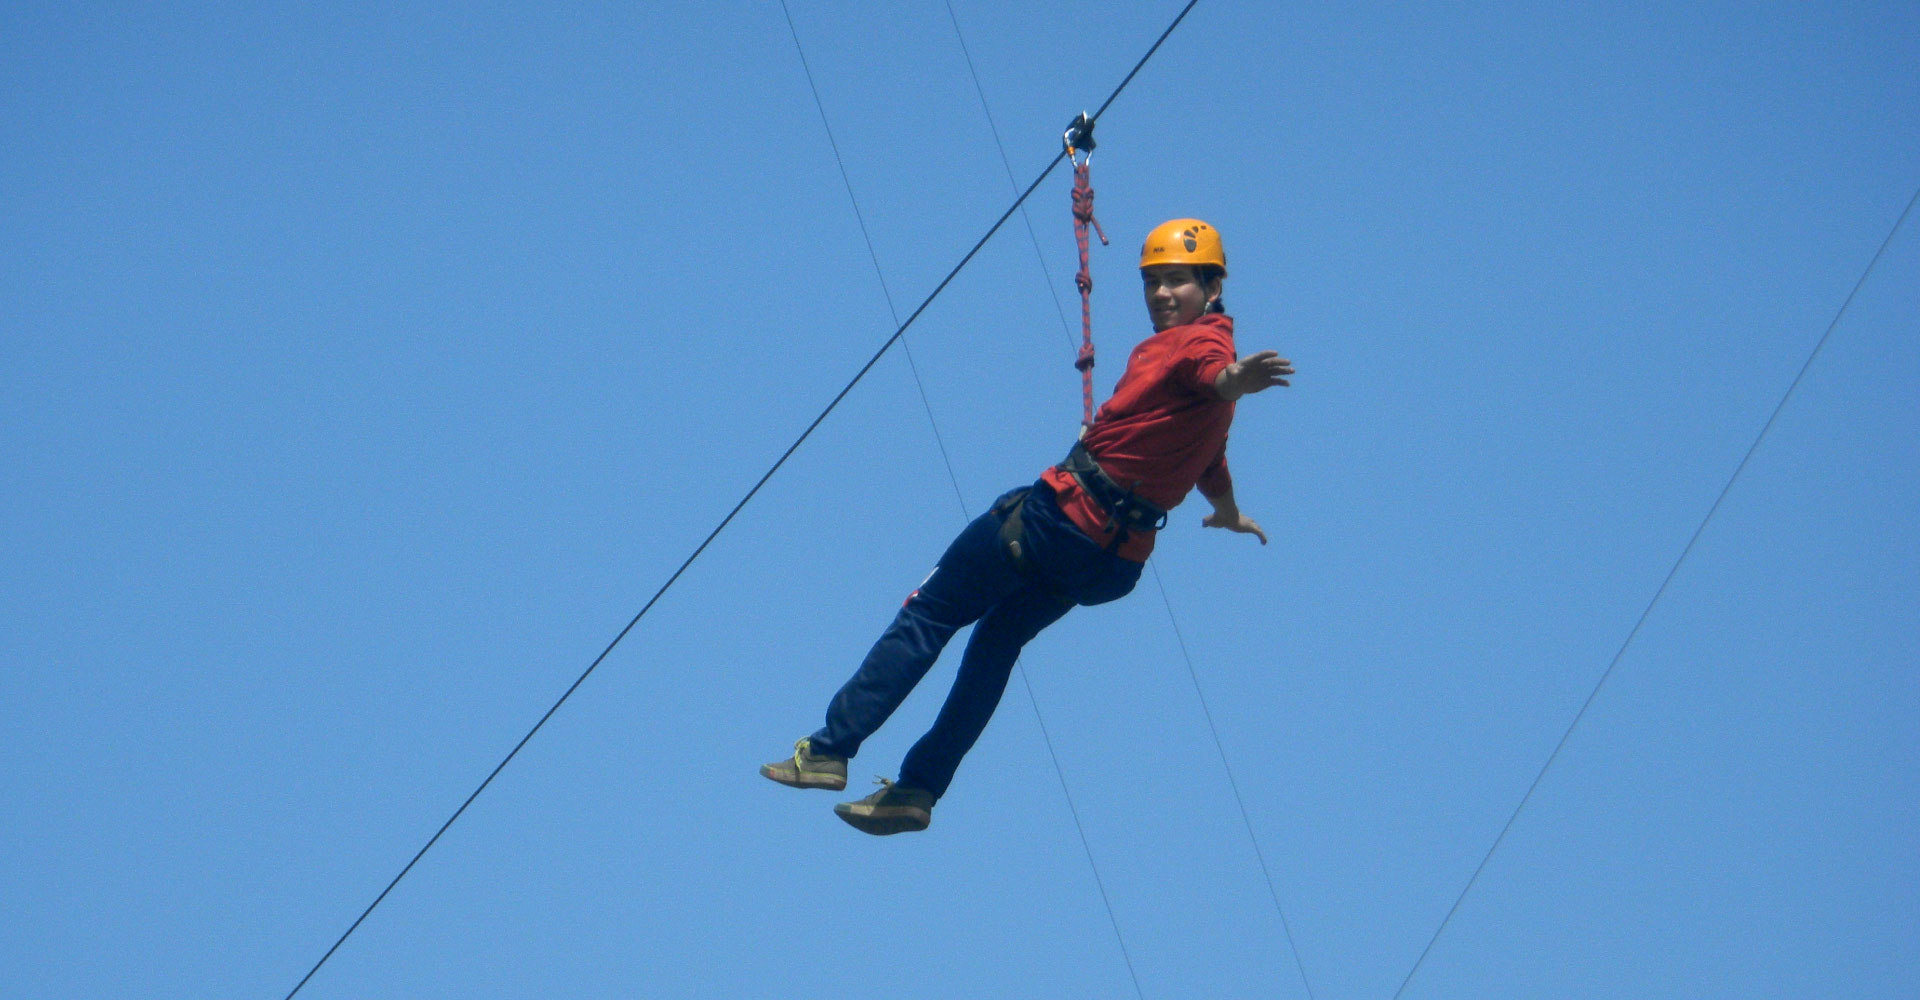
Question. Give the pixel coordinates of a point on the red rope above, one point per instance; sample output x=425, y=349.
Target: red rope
x=1082, y=215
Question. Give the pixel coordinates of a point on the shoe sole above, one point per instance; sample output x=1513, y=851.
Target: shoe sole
x=881, y=824
x=830, y=782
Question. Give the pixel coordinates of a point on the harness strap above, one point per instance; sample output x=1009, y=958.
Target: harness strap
x=1013, y=542
x=1013, y=531
x=1126, y=511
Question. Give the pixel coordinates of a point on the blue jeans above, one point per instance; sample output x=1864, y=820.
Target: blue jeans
x=975, y=581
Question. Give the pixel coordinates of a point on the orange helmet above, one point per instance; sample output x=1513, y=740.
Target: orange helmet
x=1184, y=241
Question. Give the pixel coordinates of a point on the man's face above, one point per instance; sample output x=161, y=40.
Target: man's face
x=1175, y=295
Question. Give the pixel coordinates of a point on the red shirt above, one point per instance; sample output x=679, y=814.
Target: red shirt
x=1163, y=432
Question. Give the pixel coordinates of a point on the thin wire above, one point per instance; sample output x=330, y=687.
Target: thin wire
x=1174, y=620
x=966, y=515
x=1038, y=254
x=1232, y=782
x=1079, y=827
x=1661, y=590
x=1065, y=328
x=715, y=533
x=872, y=255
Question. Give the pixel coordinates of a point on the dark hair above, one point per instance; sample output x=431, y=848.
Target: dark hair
x=1208, y=274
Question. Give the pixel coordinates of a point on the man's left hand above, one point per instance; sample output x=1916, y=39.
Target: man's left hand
x=1238, y=522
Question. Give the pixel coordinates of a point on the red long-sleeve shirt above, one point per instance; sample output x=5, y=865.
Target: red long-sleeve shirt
x=1163, y=432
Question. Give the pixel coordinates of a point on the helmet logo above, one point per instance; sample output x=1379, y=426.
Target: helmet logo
x=1190, y=237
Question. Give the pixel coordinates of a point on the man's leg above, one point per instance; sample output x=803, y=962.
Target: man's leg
x=982, y=679
x=972, y=577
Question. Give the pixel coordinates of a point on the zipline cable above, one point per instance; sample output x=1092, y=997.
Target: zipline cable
x=1172, y=619
x=728, y=519
x=1660, y=591
x=965, y=515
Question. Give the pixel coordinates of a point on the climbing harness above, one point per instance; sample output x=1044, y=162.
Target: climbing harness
x=1126, y=510
x=1079, y=138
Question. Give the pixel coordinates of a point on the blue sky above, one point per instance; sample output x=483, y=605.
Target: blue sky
x=367, y=367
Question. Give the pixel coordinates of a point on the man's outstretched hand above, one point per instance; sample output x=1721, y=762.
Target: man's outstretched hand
x=1253, y=373
x=1226, y=514
x=1242, y=523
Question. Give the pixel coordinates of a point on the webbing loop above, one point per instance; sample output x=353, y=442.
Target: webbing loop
x=1082, y=131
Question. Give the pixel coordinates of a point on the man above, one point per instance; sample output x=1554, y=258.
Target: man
x=1080, y=535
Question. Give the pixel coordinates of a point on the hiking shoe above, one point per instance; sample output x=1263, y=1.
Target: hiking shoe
x=806, y=769
x=892, y=809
